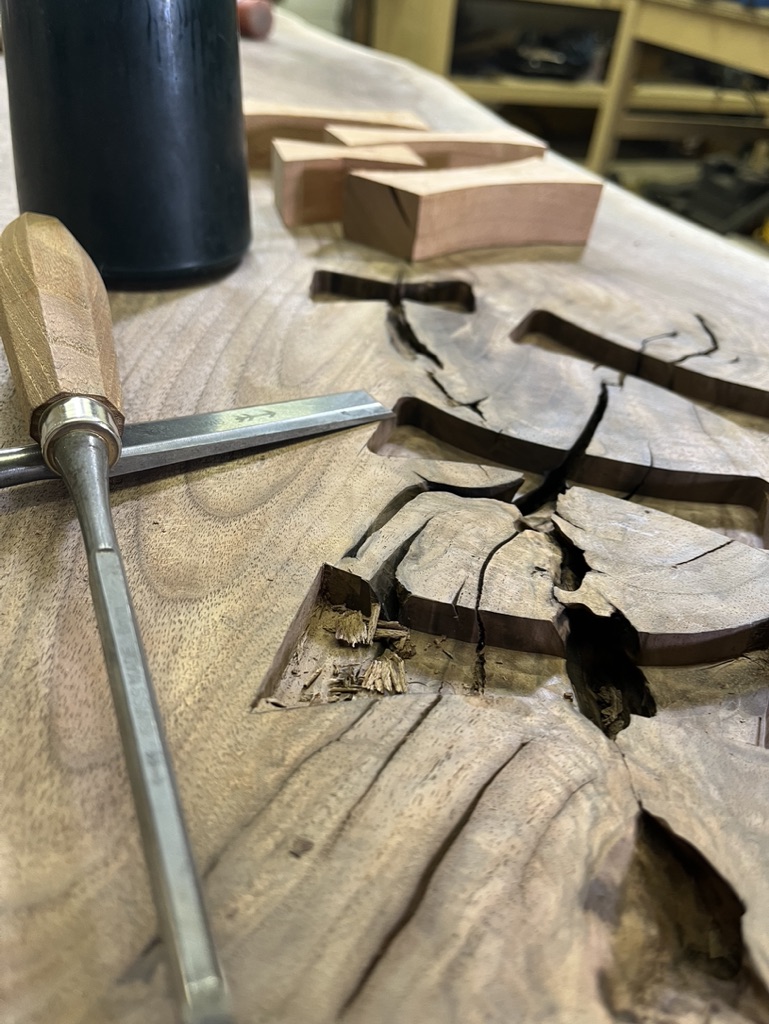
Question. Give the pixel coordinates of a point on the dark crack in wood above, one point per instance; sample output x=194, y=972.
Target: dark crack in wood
x=504, y=491
x=391, y=509
x=634, y=490
x=555, y=479
x=601, y=662
x=423, y=883
x=703, y=554
x=642, y=352
x=673, y=374
x=601, y=655
x=479, y=668
x=712, y=347
x=404, y=338
x=473, y=406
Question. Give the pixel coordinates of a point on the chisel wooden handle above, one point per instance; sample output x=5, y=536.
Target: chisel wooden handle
x=55, y=319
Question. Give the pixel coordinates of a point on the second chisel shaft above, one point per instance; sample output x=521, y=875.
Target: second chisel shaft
x=82, y=460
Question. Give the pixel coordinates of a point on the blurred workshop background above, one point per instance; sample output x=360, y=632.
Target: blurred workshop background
x=668, y=97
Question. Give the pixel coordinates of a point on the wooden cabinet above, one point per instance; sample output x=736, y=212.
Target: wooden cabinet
x=720, y=31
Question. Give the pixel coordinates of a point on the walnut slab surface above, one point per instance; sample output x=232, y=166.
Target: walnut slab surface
x=419, y=215
x=474, y=849
x=445, y=149
x=309, y=177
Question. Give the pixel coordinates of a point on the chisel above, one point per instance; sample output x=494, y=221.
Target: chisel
x=206, y=434
x=56, y=328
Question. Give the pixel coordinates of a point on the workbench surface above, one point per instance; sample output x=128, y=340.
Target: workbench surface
x=476, y=849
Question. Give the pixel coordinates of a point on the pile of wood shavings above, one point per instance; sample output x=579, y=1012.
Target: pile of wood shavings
x=386, y=673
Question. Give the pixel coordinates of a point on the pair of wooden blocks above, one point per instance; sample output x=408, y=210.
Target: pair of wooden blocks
x=418, y=194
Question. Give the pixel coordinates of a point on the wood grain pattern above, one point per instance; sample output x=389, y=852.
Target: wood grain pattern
x=419, y=215
x=55, y=319
x=445, y=149
x=266, y=121
x=435, y=855
x=309, y=177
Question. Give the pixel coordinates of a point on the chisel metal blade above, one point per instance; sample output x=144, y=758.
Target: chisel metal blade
x=201, y=435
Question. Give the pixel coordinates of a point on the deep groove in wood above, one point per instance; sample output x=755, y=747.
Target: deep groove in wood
x=601, y=656
x=404, y=338
x=424, y=881
x=555, y=480
x=418, y=721
x=479, y=669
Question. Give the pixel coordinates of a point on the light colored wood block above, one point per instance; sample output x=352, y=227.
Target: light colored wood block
x=267, y=121
x=446, y=149
x=309, y=177
x=421, y=214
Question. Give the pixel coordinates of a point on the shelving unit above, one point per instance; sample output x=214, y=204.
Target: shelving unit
x=688, y=99
x=715, y=30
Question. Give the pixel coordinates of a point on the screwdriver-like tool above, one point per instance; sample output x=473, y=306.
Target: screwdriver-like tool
x=56, y=328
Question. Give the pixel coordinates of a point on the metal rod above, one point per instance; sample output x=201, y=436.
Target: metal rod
x=195, y=972
x=203, y=435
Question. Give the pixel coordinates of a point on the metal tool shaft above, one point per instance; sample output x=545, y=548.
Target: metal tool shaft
x=204, y=435
x=82, y=460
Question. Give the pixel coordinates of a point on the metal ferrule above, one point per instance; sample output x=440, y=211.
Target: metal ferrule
x=78, y=413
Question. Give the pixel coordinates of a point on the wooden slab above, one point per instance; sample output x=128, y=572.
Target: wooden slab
x=267, y=121
x=446, y=149
x=424, y=214
x=309, y=177
x=423, y=856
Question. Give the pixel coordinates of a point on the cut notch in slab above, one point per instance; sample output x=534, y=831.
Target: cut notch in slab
x=308, y=178
x=424, y=214
x=445, y=149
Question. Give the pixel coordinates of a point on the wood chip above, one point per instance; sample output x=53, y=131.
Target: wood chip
x=373, y=622
x=405, y=647
x=352, y=629
x=384, y=633
x=385, y=674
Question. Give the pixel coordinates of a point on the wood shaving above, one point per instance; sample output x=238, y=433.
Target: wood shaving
x=385, y=674
x=352, y=629
x=373, y=622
